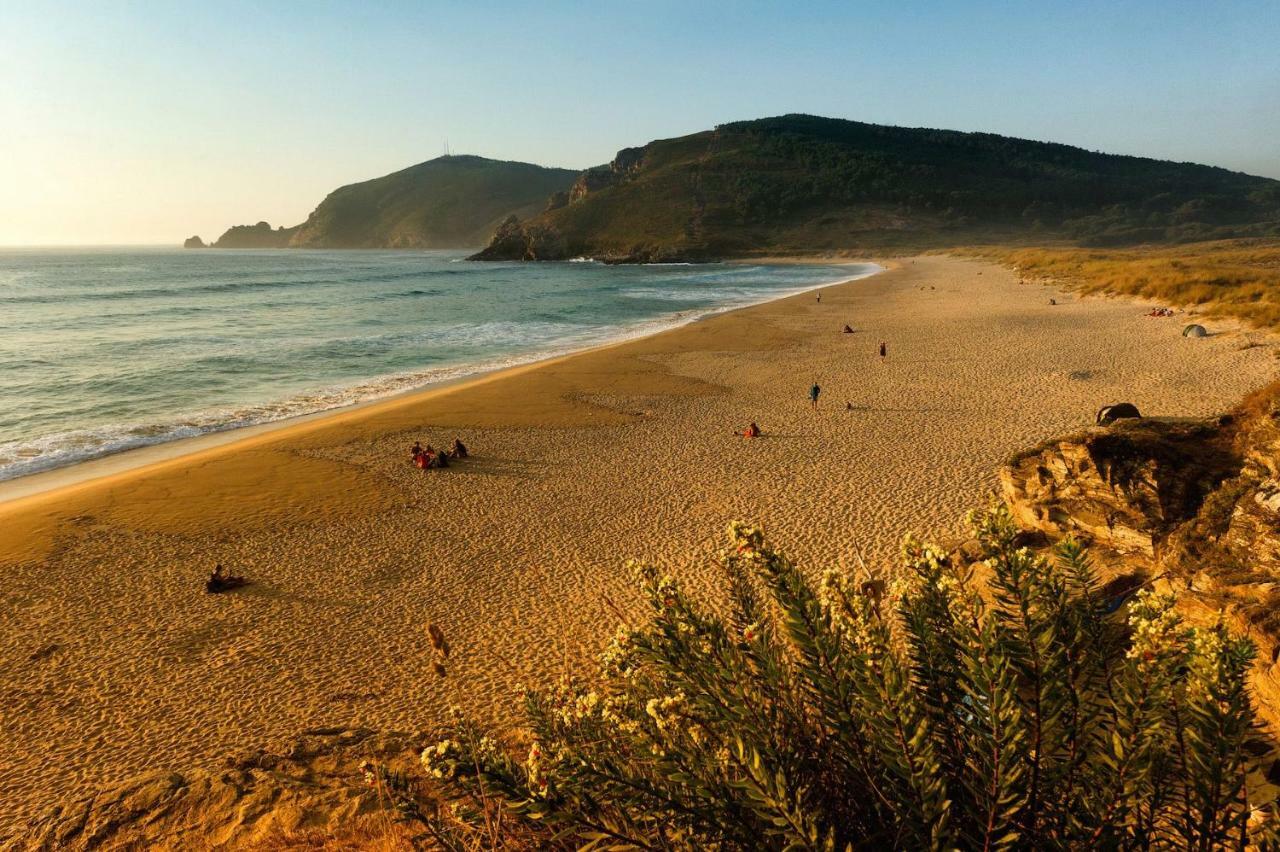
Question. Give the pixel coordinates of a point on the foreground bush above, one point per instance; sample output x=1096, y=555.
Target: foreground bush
x=918, y=716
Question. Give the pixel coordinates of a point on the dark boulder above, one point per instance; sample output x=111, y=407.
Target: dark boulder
x=1109, y=414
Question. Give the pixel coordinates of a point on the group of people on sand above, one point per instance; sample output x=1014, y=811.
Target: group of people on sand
x=427, y=457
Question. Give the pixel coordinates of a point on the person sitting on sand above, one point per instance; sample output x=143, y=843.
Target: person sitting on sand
x=416, y=450
x=752, y=431
x=458, y=450
x=848, y=330
x=219, y=582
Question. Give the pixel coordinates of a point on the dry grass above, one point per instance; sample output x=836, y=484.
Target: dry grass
x=1235, y=278
x=1260, y=403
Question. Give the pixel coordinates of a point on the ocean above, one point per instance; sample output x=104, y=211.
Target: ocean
x=104, y=350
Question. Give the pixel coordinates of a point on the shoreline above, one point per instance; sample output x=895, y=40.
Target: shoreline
x=137, y=458
x=114, y=661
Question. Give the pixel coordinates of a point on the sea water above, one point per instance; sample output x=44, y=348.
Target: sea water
x=103, y=350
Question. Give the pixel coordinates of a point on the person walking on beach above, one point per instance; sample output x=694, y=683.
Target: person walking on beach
x=819, y=297
x=884, y=349
x=813, y=395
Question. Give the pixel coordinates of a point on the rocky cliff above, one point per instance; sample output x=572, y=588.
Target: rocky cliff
x=194, y=242
x=1189, y=505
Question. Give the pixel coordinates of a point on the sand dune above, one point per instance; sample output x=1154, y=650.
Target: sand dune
x=114, y=660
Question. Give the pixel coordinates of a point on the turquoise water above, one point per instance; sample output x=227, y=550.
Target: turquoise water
x=105, y=350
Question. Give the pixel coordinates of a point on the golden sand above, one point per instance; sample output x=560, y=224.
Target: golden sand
x=113, y=659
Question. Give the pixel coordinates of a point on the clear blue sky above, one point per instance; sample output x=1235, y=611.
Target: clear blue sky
x=133, y=122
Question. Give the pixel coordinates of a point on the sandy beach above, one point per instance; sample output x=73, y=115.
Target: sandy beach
x=113, y=660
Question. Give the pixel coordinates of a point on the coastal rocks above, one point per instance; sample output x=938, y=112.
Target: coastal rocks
x=194, y=242
x=515, y=240
x=1126, y=486
x=315, y=785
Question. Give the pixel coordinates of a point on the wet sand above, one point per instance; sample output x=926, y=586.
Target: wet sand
x=113, y=660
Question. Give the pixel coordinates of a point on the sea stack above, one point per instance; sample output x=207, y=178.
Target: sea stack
x=194, y=242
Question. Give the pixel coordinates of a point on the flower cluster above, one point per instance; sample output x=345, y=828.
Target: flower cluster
x=666, y=711
x=926, y=567
x=747, y=541
x=1158, y=634
x=618, y=657
x=438, y=759
x=1205, y=664
x=536, y=770
x=850, y=607
x=370, y=773
x=572, y=706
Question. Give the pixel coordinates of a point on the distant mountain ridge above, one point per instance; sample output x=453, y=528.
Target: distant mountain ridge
x=800, y=183
x=449, y=202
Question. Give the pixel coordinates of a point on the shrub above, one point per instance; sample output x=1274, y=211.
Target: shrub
x=932, y=713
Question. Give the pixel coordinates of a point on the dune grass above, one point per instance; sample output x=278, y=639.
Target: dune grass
x=1231, y=278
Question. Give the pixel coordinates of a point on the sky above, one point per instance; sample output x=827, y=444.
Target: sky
x=148, y=122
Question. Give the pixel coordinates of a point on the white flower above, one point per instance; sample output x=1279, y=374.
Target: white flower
x=666, y=711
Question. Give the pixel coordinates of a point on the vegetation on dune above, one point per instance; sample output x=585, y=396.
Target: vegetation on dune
x=925, y=714
x=1237, y=278
x=805, y=183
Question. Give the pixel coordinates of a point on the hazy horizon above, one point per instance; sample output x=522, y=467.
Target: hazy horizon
x=143, y=126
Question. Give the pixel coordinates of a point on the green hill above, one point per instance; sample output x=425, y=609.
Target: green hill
x=448, y=202
x=801, y=183
x=260, y=235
